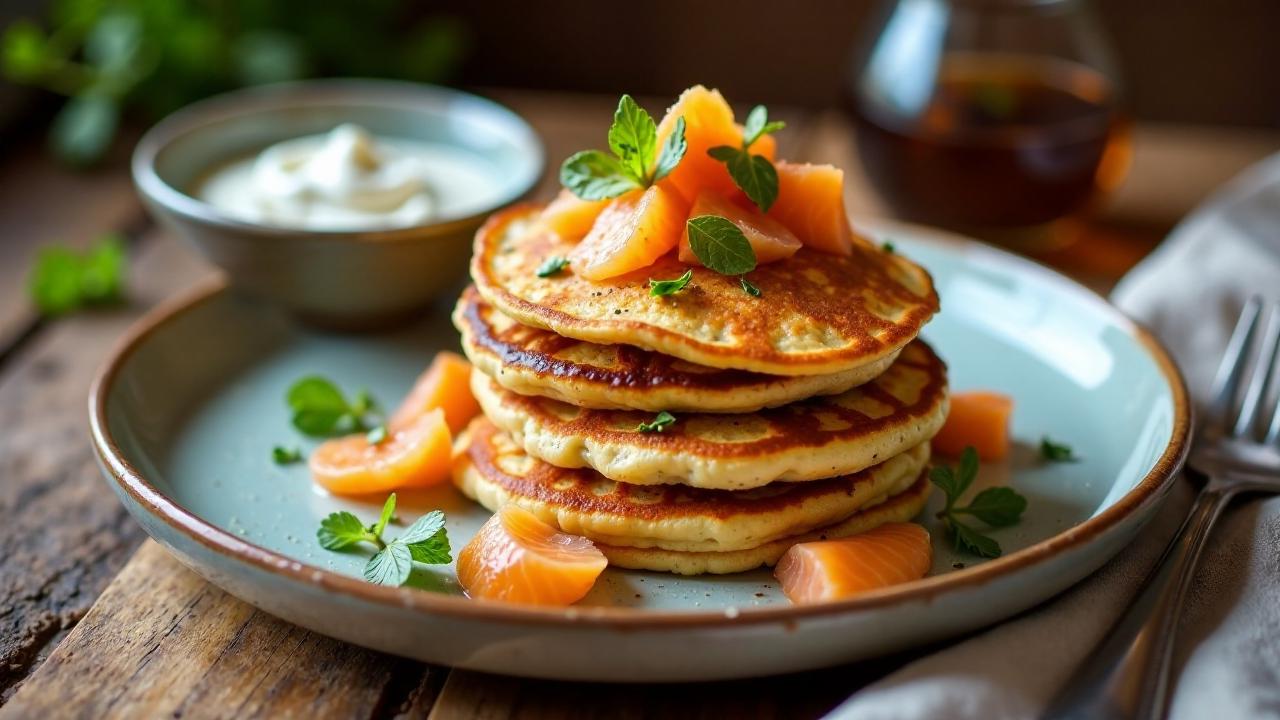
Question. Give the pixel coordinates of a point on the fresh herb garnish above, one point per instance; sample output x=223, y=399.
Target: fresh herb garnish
x=425, y=541
x=754, y=174
x=660, y=422
x=376, y=436
x=285, y=456
x=720, y=245
x=633, y=139
x=63, y=279
x=887, y=246
x=748, y=288
x=659, y=288
x=321, y=410
x=552, y=266
x=995, y=506
x=1056, y=452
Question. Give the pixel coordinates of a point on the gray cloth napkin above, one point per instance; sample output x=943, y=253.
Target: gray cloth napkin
x=1227, y=662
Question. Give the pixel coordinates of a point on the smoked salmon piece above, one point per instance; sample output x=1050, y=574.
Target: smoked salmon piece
x=770, y=239
x=518, y=558
x=835, y=569
x=979, y=418
x=708, y=122
x=416, y=455
x=632, y=231
x=446, y=384
x=811, y=203
x=571, y=217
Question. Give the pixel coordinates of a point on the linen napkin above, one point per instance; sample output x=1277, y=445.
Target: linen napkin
x=1227, y=661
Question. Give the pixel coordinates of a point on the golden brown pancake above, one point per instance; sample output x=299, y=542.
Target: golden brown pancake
x=817, y=438
x=531, y=361
x=493, y=470
x=818, y=313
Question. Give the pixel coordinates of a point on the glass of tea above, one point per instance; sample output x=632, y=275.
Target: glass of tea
x=994, y=117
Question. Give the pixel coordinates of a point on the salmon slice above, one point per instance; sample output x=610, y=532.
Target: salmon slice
x=571, y=217
x=811, y=203
x=979, y=418
x=770, y=239
x=633, y=231
x=518, y=558
x=708, y=122
x=446, y=384
x=826, y=570
x=416, y=455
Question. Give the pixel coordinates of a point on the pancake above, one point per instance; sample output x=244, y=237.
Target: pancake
x=808, y=440
x=901, y=507
x=531, y=361
x=490, y=468
x=818, y=314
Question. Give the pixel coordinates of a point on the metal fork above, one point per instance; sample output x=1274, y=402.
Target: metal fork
x=1235, y=451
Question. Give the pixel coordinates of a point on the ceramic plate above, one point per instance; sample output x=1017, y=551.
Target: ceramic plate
x=185, y=415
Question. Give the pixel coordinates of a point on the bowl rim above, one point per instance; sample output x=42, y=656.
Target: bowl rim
x=269, y=97
x=1149, y=490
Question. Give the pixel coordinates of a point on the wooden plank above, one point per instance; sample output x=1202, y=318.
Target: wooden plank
x=65, y=535
x=42, y=202
x=161, y=642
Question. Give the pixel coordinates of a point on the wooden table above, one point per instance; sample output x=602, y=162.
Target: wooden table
x=95, y=621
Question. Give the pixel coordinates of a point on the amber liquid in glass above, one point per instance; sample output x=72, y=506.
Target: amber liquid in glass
x=1002, y=142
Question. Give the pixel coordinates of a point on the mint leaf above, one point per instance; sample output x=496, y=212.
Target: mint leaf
x=888, y=247
x=758, y=124
x=285, y=456
x=63, y=280
x=633, y=138
x=720, y=245
x=967, y=471
x=660, y=288
x=997, y=506
x=552, y=266
x=341, y=530
x=673, y=150
x=592, y=175
x=390, y=566
x=660, y=422
x=974, y=542
x=424, y=528
x=756, y=176
x=388, y=509
x=321, y=410
x=748, y=288
x=1056, y=452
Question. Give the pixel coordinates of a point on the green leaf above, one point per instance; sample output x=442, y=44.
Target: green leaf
x=341, y=530
x=1056, y=452
x=285, y=456
x=552, y=266
x=319, y=408
x=592, y=175
x=427, y=539
x=266, y=56
x=967, y=471
x=24, y=51
x=971, y=541
x=388, y=509
x=756, y=176
x=888, y=247
x=660, y=288
x=364, y=403
x=54, y=283
x=660, y=422
x=633, y=138
x=424, y=528
x=748, y=288
x=114, y=42
x=720, y=245
x=673, y=150
x=84, y=127
x=377, y=435
x=103, y=270
x=997, y=506
x=758, y=124
x=390, y=566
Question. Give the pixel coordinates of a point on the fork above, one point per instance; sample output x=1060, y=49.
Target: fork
x=1235, y=451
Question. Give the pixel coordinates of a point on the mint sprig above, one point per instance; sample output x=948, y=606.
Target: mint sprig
x=63, y=280
x=995, y=506
x=720, y=245
x=285, y=455
x=321, y=410
x=660, y=422
x=753, y=174
x=596, y=175
x=425, y=541
x=552, y=266
x=660, y=288
x=1056, y=452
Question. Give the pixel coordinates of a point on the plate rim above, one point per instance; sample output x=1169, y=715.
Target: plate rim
x=146, y=496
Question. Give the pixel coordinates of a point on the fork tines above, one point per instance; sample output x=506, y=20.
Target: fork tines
x=1247, y=379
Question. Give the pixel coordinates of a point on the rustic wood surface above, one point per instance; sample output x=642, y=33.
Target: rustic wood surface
x=160, y=642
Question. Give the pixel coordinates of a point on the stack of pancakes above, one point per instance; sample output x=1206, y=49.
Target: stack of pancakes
x=804, y=413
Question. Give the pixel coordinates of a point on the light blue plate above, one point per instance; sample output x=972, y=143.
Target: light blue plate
x=187, y=413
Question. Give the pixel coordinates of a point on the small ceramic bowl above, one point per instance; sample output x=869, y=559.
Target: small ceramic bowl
x=348, y=279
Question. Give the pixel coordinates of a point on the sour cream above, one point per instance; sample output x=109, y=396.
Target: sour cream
x=348, y=179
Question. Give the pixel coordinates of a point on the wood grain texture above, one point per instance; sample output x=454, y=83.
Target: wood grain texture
x=65, y=535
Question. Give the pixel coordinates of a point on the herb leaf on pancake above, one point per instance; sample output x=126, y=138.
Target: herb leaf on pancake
x=753, y=174
x=633, y=138
x=720, y=245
